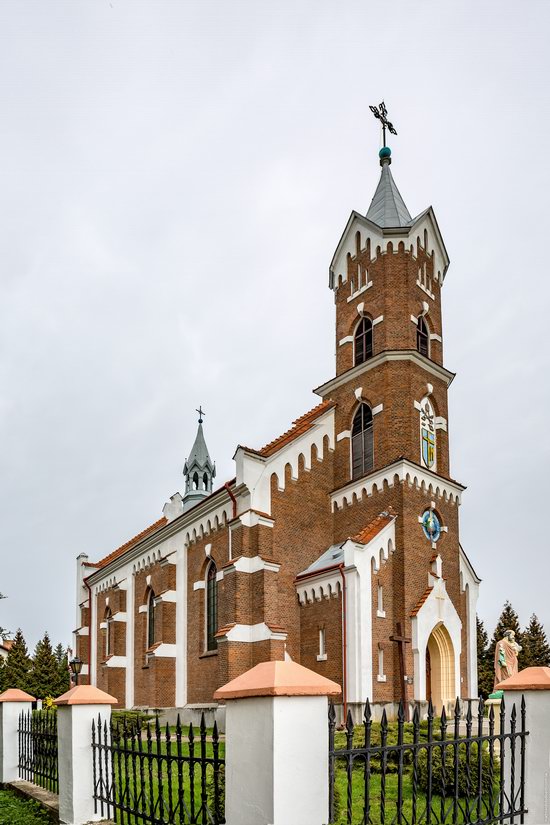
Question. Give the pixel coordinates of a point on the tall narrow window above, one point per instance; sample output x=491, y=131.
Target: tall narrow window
x=322, y=655
x=363, y=341
x=422, y=338
x=211, y=607
x=109, y=647
x=362, y=450
x=428, y=445
x=151, y=619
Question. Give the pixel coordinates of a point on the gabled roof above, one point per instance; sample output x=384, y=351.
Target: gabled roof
x=131, y=543
x=387, y=207
x=300, y=426
x=334, y=556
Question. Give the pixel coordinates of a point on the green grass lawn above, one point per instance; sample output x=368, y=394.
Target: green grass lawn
x=17, y=811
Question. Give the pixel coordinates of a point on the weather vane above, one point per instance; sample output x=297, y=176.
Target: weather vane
x=201, y=413
x=381, y=114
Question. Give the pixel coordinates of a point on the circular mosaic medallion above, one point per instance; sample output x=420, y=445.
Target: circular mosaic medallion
x=431, y=525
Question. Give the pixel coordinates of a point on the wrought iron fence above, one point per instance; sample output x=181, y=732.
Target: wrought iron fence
x=37, y=734
x=160, y=776
x=429, y=771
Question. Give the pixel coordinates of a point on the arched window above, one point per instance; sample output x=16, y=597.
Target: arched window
x=109, y=646
x=362, y=452
x=363, y=341
x=195, y=481
x=211, y=607
x=422, y=338
x=151, y=619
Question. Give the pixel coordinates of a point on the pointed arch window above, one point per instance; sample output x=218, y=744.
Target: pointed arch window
x=422, y=338
x=151, y=619
x=109, y=646
x=211, y=606
x=363, y=341
x=362, y=445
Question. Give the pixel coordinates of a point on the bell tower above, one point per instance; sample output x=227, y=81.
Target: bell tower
x=391, y=443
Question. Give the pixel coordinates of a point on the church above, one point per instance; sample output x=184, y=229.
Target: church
x=337, y=544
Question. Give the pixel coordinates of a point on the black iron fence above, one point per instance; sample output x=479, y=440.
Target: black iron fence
x=37, y=734
x=160, y=776
x=429, y=771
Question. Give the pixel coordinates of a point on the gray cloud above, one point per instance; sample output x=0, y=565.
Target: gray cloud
x=175, y=177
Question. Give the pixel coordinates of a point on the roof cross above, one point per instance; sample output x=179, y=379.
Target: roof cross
x=381, y=114
x=201, y=413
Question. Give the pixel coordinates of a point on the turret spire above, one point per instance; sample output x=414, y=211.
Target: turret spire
x=199, y=470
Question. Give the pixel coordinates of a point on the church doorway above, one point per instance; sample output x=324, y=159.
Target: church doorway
x=440, y=668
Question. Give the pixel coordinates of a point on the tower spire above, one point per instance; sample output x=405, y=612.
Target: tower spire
x=387, y=207
x=199, y=470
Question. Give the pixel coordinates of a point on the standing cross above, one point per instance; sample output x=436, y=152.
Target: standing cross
x=201, y=413
x=402, y=640
x=381, y=114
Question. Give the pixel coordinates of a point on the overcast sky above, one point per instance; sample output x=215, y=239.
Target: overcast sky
x=175, y=177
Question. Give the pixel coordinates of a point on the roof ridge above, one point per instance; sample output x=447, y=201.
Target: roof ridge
x=130, y=543
x=299, y=425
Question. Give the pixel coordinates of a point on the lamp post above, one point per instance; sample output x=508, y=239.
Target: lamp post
x=76, y=666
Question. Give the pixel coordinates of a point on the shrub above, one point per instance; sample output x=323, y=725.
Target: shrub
x=210, y=796
x=467, y=758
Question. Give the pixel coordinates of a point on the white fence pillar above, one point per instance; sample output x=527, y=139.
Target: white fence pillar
x=276, y=737
x=76, y=710
x=533, y=683
x=12, y=704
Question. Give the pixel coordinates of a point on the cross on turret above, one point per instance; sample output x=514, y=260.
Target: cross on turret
x=381, y=114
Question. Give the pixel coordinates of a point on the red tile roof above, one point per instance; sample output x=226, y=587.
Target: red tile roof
x=373, y=528
x=300, y=426
x=131, y=543
x=421, y=601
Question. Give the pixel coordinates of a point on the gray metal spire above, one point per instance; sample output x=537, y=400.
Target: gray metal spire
x=388, y=208
x=199, y=470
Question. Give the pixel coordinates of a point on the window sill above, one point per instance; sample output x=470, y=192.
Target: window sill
x=380, y=678
x=381, y=614
x=207, y=654
x=322, y=657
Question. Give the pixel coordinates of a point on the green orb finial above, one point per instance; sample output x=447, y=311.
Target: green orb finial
x=384, y=152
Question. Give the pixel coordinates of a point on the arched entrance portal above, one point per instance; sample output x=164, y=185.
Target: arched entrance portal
x=440, y=664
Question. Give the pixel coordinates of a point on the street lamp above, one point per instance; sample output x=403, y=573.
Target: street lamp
x=76, y=666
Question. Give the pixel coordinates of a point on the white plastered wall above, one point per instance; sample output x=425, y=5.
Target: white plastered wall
x=437, y=609
x=469, y=584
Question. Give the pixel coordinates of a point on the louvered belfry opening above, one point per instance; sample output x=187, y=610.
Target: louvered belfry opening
x=363, y=341
x=422, y=337
x=362, y=448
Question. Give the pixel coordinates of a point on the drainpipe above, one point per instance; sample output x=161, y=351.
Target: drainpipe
x=89, y=631
x=234, y=500
x=344, y=643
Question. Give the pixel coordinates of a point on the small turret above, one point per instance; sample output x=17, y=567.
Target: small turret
x=199, y=470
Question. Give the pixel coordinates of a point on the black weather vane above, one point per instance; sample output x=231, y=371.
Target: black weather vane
x=381, y=114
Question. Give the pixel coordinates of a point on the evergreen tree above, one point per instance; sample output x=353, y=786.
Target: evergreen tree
x=64, y=679
x=18, y=664
x=3, y=685
x=536, y=650
x=508, y=621
x=485, y=669
x=44, y=679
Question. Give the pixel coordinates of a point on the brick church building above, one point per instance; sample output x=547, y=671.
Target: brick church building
x=333, y=542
